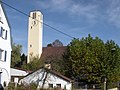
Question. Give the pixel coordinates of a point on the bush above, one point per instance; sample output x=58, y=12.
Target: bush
x=32, y=86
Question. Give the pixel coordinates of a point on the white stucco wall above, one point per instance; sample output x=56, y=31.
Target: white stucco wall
x=35, y=28
x=17, y=72
x=38, y=77
x=5, y=45
x=53, y=79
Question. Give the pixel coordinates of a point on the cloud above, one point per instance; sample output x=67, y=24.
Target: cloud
x=70, y=7
x=91, y=11
x=54, y=5
x=88, y=11
x=113, y=12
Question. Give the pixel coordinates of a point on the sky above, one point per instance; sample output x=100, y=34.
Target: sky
x=77, y=18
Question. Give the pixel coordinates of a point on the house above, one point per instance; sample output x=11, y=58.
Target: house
x=5, y=48
x=46, y=78
x=16, y=74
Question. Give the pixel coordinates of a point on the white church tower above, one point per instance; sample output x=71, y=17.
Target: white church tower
x=35, y=28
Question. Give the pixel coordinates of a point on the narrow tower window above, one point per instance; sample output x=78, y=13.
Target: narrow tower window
x=30, y=45
x=34, y=15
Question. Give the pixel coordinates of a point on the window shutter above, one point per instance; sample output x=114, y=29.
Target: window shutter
x=5, y=56
x=0, y=54
x=6, y=35
x=0, y=31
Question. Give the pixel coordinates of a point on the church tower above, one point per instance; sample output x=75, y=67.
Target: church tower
x=35, y=28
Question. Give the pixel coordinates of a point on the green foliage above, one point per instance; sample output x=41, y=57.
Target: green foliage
x=35, y=64
x=56, y=43
x=16, y=54
x=32, y=86
x=91, y=59
x=56, y=62
x=11, y=86
x=23, y=59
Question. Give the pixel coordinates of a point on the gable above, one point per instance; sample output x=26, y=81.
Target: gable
x=3, y=16
x=39, y=76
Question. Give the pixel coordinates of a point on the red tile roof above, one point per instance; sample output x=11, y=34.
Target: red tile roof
x=61, y=76
x=52, y=52
x=54, y=73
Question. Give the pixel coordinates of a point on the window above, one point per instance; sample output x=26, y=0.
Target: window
x=58, y=85
x=50, y=85
x=1, y=17
x=3, y=55
x=6, y=35
x=34, y=22
x=30, y=45
x=34, y=15
x=0, y=78
x=3, y=33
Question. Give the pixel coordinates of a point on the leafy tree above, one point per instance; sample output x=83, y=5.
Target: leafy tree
x=55, y=60
x=56, y=63
x=49, y=45
x=57, y=43
x=91, y=59
x=112, y=62
x=35, y=64
x=16, y=54
x=23, y=59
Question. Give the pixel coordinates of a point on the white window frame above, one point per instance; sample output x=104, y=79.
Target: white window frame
x=1, y=17
x=50, y=85
x=3, y=33
x=58, y=85
x=3, y=55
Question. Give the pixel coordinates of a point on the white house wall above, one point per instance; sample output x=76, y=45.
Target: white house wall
x=6, y=46
x=39, y=76
x=53, y=79
x=17, y=72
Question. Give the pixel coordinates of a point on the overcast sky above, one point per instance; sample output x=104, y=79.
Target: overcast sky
x=78, y=18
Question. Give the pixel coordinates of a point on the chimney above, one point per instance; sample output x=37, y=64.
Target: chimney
x=47, y=66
